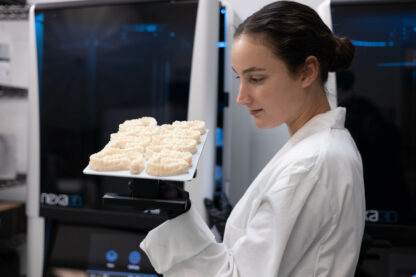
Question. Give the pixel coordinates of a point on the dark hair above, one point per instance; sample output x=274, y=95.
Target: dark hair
x=294, y=32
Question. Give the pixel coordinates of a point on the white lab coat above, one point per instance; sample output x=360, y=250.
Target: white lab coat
x=302, y=216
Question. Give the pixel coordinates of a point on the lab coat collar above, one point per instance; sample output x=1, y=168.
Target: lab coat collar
x=332, y=119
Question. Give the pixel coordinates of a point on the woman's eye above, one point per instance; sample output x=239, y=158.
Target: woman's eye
x=256, y=80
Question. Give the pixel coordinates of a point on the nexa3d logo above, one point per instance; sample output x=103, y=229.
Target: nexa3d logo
x=381, y=216
x=63, y=200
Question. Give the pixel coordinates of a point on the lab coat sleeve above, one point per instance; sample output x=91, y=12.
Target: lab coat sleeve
x=185, y=246
x=176, y=240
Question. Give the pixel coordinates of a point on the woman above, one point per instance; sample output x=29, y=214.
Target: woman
x=304, y=213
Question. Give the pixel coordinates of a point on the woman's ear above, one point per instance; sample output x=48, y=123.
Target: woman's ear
x=310, y=71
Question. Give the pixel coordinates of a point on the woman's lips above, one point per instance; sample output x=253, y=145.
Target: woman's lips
x=255, y=112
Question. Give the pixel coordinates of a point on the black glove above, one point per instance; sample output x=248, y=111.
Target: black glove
x=218, y=211
x=173, y=191
x=161, y=190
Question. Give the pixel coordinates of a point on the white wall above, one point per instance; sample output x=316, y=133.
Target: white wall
x=14, y=110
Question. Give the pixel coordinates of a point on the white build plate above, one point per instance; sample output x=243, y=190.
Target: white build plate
x=143, y=175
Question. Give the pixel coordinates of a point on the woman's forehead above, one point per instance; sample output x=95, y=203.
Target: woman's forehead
x=249, y=52
x=251, y=40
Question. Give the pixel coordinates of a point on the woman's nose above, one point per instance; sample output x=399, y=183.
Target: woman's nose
x=242, y=97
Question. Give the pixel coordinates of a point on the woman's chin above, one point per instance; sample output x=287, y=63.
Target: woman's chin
x=263, y=124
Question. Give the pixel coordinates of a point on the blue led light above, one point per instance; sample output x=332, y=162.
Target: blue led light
x=150, y=28
x=372, y=43
x=219, y=137
x=111, y=256
x=222, y=44
x=172, y=34
x=40, y=17
x=134, y=257
x=397, y=64
x=223, y=11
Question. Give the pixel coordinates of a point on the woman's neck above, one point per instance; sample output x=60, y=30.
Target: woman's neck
x=316, y=103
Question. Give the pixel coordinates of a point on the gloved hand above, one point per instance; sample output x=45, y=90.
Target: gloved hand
x=162, y=190
x=173, y=191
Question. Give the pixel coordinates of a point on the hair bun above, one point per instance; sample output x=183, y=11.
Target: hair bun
x=343, y=54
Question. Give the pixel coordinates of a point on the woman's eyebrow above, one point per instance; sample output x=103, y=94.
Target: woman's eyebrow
x=250, y=69
x=253, y=69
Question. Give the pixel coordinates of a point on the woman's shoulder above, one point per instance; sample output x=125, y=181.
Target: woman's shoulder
x=308, y=149
x=322, y=148
x=341, y=148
